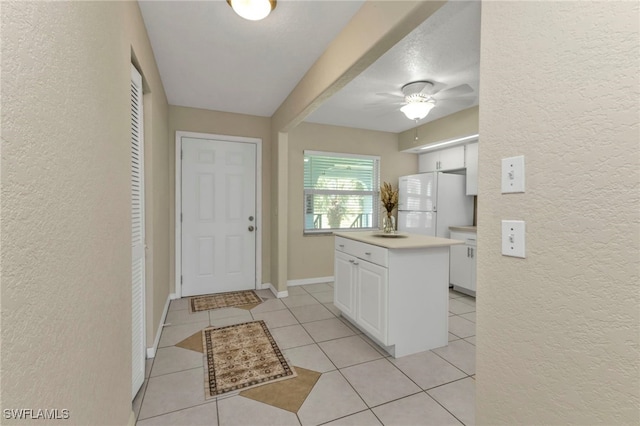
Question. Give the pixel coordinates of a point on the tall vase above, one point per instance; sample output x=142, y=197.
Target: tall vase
x=388, y=223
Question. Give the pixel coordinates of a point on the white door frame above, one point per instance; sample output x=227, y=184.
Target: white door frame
x=178, y=201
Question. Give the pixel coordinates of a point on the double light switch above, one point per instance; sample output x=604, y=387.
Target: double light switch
x=513, y=231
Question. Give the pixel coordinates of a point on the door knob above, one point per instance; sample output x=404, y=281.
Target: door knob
x=251, y=218
x=251, y=228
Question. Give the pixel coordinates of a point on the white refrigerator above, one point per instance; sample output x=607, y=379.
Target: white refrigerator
x=429, y=203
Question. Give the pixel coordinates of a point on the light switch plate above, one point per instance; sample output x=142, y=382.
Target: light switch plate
x=513, y=241
x=513, y=174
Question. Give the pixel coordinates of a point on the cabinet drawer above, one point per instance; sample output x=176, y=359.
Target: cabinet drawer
x=368, y=252
x=468, y=237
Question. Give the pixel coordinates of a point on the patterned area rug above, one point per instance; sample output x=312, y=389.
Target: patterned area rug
x=240, y=357
x=224, y=300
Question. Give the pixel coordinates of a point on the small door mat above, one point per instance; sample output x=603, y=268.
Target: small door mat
x=239, y=299
x=241, y=356
x=288, y=394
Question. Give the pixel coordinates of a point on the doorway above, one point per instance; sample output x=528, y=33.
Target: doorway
x=218, y=229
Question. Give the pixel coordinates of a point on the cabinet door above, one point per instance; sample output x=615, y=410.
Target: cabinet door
x=372, y=300
x=460, y=266
x=452, y=158
x=344, y=284
x=428, y=162
x=472, y=265
x=471, y=163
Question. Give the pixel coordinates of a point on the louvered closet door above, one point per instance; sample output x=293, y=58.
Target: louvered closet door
x=137, y=233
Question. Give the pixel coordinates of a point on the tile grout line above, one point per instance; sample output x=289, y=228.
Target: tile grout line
x=181, y=409
x=445, y=408
x=348, y=415
x=451, y=362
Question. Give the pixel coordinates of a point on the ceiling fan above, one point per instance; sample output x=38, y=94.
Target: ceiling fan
x=420, y=97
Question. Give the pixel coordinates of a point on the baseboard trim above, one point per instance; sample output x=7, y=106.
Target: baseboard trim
x=151, y=352
x=132, y=419
x=276, y=293
x=305, y=281
x=264, y=286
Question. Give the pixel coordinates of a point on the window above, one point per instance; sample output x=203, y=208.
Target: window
x=341, y=191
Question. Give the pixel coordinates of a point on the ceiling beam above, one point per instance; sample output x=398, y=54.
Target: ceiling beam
x=374, y=29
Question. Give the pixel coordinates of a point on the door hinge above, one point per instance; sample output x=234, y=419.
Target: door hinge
x=180, y=279
x=180, y=217
x=181, y=154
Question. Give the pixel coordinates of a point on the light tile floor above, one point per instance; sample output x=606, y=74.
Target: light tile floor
x=360, y=383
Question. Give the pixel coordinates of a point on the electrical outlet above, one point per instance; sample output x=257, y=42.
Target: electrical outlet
x=513, y=174
x=513, y=240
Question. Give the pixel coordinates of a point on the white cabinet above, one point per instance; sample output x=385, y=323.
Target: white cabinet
x=345, y=284
x=372, y=295
x=399, y=297
x=428, y=162
x=462, y=265
x=456, y=158
x=471, y=163
x=361, y=287
x=441, y=160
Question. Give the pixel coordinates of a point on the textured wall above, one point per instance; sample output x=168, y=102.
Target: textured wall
x=558, y=331
x=226, y=123
x=319, y=137
x=460, y=124
x=66, y=257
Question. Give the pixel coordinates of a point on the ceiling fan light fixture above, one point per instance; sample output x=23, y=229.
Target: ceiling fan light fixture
x=253, y=10
x=418, y=109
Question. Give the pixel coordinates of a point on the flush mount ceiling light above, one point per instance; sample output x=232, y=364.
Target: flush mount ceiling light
x=253, y=10
x=418, y=106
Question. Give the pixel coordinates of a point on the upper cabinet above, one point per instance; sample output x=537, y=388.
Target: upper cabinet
x=455, y=158
x=441, y=160
x=471, y=163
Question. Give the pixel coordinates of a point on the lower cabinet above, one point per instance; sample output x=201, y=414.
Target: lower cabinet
x=462, y=266
x=344, y=292
x=371, y=296
x=361, y=293
x=399, y=297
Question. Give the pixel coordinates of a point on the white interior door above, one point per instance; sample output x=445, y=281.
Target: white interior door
x=137, y=234
x=218, y=216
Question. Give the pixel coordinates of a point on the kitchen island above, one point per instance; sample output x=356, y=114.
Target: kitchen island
x=395, y=289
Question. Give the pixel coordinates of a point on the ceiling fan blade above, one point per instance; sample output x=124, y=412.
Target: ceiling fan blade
x=382, y=105
x=463, y=89
x=456, y=103
x=392, y=96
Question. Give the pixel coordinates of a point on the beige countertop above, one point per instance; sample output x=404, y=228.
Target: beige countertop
x=408, y=241
x=463, y=228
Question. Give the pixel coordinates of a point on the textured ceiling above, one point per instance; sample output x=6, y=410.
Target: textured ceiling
x=445, y=49
x=211, y=58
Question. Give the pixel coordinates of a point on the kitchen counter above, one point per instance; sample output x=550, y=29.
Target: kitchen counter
x=463, y=228
x=410, y=241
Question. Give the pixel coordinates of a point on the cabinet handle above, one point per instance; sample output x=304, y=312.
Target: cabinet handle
x=356, y=263
x=341, y=245
x=351, y=260
x=468, y=255
x=472, y=253
x=368, y=253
